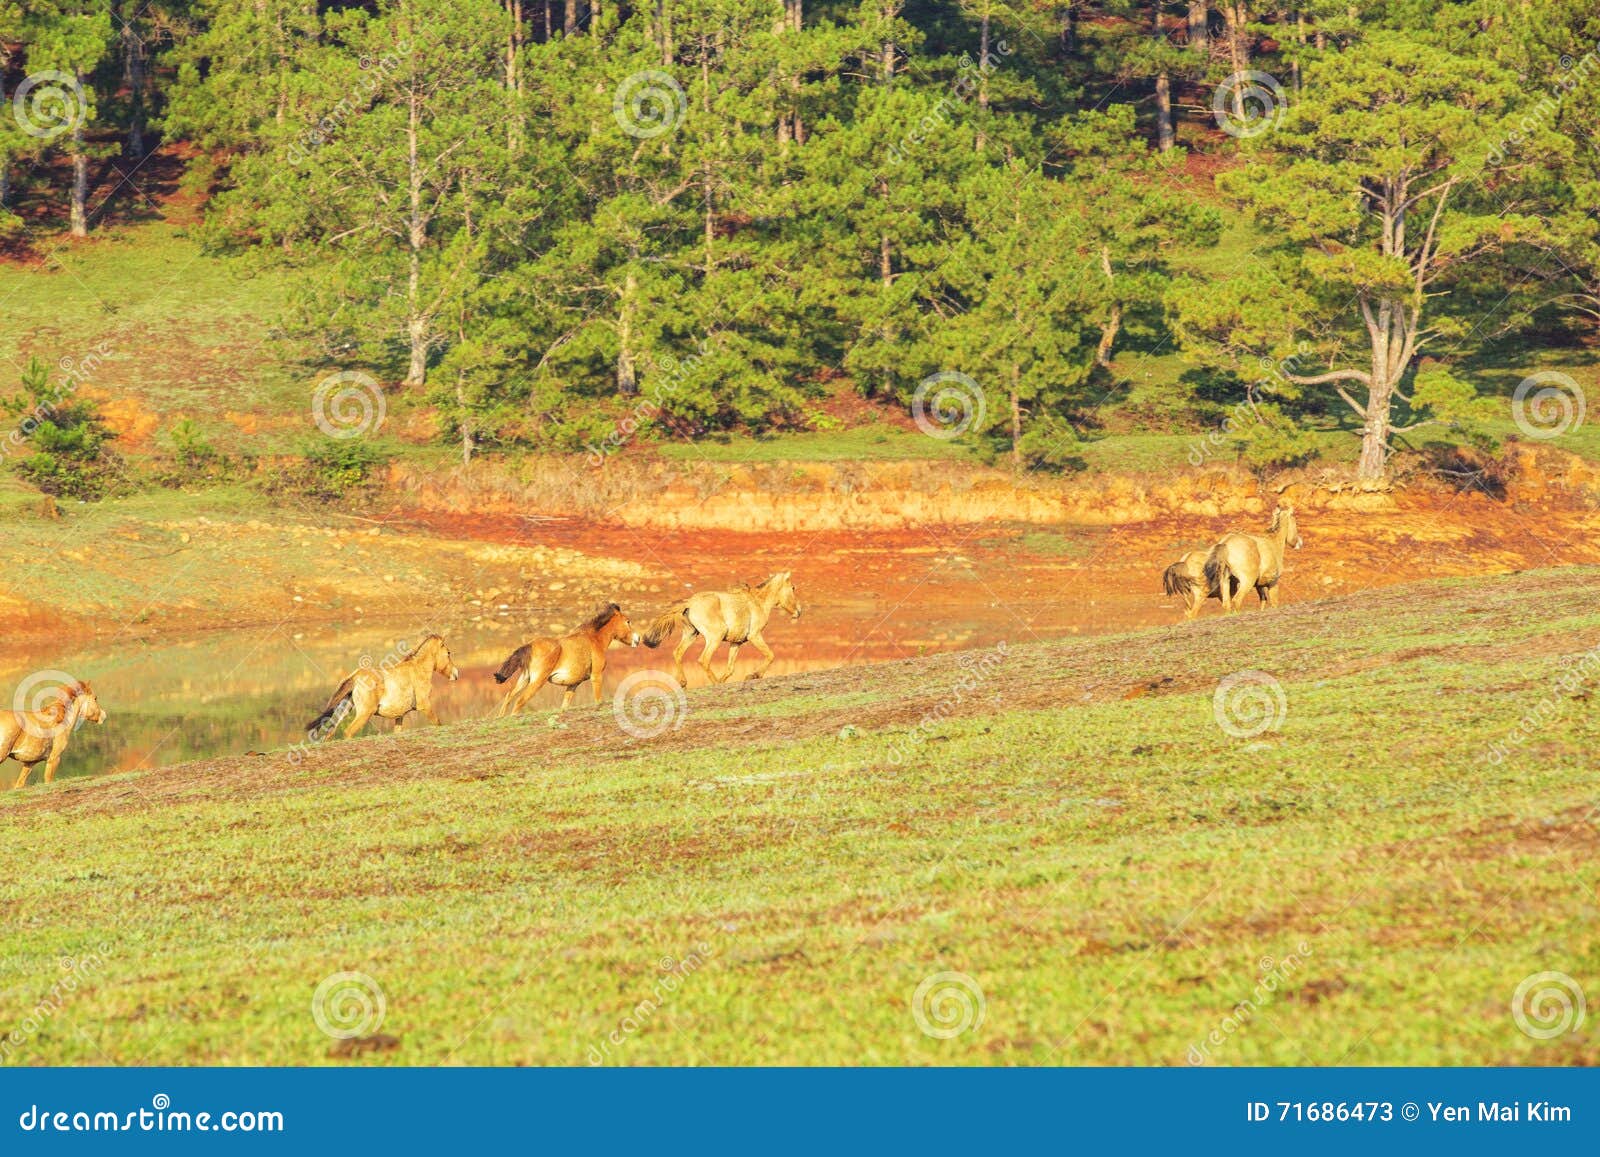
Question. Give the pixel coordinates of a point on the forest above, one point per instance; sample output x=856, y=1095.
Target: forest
x=570, y=227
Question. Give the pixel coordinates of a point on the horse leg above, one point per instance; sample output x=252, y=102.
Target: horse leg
x=712, y=643
x=427, y=709
x=760, y=644
x=678, y=654
x=55, y=757
x=733, y=653
x=566, y=697
x=22, y=780
x=536, y=679
x=1191, y=602
x=511, y=693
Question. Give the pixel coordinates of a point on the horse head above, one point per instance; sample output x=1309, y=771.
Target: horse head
x=81, y=697
x=787, y=599
x=1283, y=525
x=443, y=664
x=610, y=624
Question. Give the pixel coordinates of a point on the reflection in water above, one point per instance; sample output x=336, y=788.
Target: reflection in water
x=223, y=693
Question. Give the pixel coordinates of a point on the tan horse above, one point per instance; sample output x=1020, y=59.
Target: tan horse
x=568, y=662
x=1241, y=561
x=738, y=616
x=33, y=737
x=1187, y=577
x=393, y=690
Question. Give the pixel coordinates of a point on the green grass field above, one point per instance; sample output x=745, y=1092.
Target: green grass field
x=1116, y=877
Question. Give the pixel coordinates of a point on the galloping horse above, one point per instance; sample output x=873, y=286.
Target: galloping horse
x=393, y=690
x=1241, y=561
x=568, y=662
x=1187, y=577
x=737, y=616
x=33, y=737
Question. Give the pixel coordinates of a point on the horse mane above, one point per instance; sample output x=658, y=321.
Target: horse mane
x=66, y=695
x=600, y=618
x=421, y=643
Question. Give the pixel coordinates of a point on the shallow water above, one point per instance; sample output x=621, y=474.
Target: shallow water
x=219, y=693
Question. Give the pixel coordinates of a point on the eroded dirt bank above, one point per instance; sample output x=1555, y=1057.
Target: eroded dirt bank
x=890, y=559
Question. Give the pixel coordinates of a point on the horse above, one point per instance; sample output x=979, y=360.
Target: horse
x=392, y=690
x=33, y=737
x=567, y=662
x=1186, y=577
x=738, y=616
x=1241, y=561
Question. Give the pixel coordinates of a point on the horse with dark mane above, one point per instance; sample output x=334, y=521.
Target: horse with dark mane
x=567, y=662
x=391, y=690
x=1240, y=562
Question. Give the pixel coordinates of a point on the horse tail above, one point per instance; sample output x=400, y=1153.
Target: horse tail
x=516, y=663
x=663, y=628
x=1216, y=573
x=346, y=689
x=1175, y=580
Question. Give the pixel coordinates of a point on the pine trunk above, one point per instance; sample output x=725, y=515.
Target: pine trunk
x=80, y=183
x=1164, y=135
x=1199, y=32
x=1016, y=419
x=1238, y=53
x=133, y=71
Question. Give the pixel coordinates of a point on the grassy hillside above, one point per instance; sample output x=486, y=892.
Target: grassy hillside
x=1069, y=826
